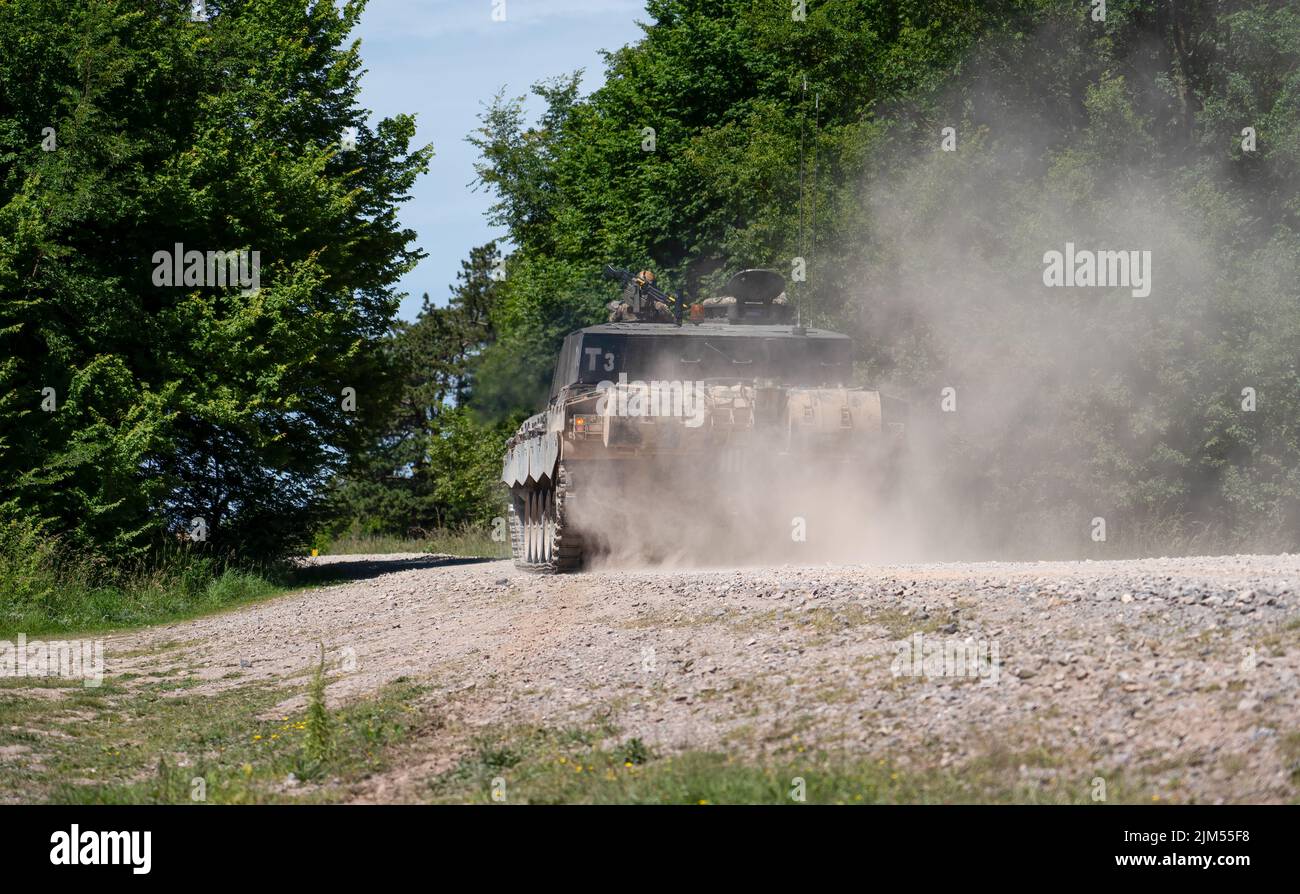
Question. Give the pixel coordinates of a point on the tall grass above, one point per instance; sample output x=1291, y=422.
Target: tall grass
x=472, y=542
x=318, y=745
x=46, y=587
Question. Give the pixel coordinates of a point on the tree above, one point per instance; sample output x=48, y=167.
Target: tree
x=1126, y=133
x=722, y=87
x=212, y=401
x=431, y=464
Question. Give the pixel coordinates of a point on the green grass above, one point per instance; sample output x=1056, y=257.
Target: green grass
x=111, y=746
x=569, y=766
x=62, y=600
x=151, y=744
x=471, y=542
x=1289, y=747
x=46, y=587
x=70, y=603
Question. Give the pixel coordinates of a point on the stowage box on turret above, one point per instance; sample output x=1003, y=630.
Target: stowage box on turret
x=725, y=396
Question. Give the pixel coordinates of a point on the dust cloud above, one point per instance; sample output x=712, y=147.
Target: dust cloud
x=1069, y=329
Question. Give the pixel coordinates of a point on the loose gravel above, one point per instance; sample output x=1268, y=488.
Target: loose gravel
x=1180, y=673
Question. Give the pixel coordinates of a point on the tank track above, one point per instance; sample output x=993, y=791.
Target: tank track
x=529, y=535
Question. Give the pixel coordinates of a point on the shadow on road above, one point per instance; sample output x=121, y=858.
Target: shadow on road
x=319, y=573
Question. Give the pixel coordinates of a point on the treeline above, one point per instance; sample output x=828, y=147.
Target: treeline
x=732, y=134
x=1168, y=127
x=135, y=417
x=687, y=160
x=435, y=465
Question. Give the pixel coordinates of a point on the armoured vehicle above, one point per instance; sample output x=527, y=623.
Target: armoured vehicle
x=671, y=421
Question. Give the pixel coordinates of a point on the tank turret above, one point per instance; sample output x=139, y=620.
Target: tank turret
x=751, y=296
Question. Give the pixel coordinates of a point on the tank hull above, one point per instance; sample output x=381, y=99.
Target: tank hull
x=646, y=470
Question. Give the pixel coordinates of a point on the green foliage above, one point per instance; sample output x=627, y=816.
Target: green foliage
x=633, y=751
x=318, y=744
x=433, y=464
x=47, y=587
x=28, y=578
x=470, y=542
x=128, y=409
x=1122, y=134
x=540, y=302
x=465, y=468
x=102, y=745
x=722, y=85
x=1096, y=402
x=569, y=766
x=176, y=403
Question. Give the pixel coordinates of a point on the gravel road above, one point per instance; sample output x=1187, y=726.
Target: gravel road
x=1178, y=672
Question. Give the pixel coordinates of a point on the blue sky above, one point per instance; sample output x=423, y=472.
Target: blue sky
x=441, y=60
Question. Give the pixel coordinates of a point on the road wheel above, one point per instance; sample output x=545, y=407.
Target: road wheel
x=534, y=497
x=516, y=524
x=548, y=525
x=548, y=544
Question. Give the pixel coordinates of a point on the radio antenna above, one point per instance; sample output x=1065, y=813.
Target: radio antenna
x=803, y=127
x=803, y=122
x=817, y=107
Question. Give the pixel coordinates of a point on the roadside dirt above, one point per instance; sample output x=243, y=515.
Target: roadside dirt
x=1178, y=672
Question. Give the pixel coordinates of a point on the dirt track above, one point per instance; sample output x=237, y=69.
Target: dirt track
x=1179, y=673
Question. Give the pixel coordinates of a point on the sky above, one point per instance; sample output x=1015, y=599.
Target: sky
x=442, y=60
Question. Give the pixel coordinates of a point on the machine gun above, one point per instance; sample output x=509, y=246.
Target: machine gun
x=640, y=292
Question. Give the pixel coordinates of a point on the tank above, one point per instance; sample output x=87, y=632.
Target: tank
x=675, y=430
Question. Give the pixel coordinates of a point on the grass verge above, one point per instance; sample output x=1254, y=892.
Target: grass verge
x=468, y=542
x=570, y=766
x=164, y=745
x=62, y=599
x=46, y=587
